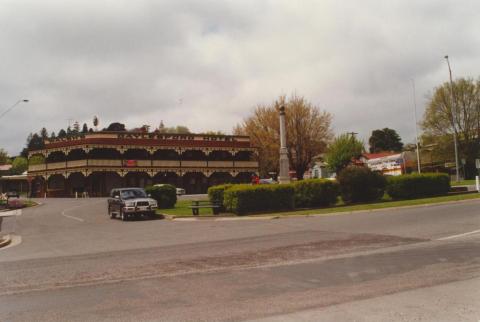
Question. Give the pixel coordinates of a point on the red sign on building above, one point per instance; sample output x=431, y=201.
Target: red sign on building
x=129, y=163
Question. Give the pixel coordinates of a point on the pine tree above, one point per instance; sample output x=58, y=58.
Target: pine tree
x=44, y=133
x=84, y=128
x=76, y=127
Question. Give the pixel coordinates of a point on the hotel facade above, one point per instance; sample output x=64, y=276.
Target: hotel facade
x=94, y=163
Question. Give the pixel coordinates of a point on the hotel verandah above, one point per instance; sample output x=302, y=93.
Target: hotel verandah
x=95, y=163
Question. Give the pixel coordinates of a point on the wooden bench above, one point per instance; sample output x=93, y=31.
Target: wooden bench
x=197, y=204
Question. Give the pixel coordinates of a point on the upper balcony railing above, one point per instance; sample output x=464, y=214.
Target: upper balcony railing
x=141, y=164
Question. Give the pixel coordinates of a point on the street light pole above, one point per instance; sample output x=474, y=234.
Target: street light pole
x=453, y=121
x=416, y=126
x=12, y=107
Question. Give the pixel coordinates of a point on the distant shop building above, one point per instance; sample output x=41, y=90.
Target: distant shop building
x=390, y=163
x=319, y=170
x=97, y=162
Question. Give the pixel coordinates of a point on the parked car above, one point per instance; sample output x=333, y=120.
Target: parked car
x=129, y=202
x=13, y=194
x=267, y=181
x=180, y=191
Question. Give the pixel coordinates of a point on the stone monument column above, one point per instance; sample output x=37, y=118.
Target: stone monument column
x=283, y=176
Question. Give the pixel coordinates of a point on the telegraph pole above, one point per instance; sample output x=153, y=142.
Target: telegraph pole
x=453, y=122
x=416, y=126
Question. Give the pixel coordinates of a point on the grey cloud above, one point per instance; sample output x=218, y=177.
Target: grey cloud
x=206, y=64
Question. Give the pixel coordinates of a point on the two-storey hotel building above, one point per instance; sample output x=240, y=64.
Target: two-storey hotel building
x=95, y=163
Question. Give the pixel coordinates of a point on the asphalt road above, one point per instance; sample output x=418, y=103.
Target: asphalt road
x=75, y=264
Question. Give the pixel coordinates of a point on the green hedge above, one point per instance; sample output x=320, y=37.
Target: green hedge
x=316, y=193
x=243, y=199
x=360, y=184
x=165, y=195
x=410, y=186
x=216, y=193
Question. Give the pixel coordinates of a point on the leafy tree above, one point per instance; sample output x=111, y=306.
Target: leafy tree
x=308, y=133
x=342, y=151
x=385, y=140
x=52, y=136
x=36, y=159
x=3, y=156
x=214, y=133
x=84, y=128
x=69, y=131
x=117, y=127
x=442, y=117
x=180, y=129
x=95, y=122
x=19, y=165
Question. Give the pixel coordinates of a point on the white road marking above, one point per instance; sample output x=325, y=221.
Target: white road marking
x=460, y=235
x=75, y=207
x=72, y=217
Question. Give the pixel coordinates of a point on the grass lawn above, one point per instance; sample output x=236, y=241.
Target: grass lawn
x=462, y=183
x=381, y=205
x=181, y=208
x=29, y=203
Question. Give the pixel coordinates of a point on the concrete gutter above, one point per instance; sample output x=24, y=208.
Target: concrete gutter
x=338, y=213
x=219, y=218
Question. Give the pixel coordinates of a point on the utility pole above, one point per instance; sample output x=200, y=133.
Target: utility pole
x=453, y=122
x=353, y=134
x=416, y=126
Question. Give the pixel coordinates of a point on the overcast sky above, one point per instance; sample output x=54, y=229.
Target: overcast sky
x=206, y=64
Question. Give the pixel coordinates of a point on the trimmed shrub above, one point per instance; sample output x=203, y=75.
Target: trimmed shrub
x=360, y=184
x=215, y=194
x=243, y=199
x=418, y=185
x=316, y=193
x=165, y=195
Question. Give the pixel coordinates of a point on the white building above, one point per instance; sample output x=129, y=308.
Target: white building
x=389, y=163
